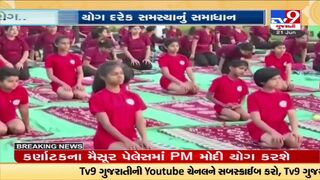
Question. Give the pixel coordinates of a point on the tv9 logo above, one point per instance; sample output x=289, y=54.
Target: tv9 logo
x=285, y=20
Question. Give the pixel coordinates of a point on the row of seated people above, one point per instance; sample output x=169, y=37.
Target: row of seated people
x=135, y=43
x=267, y=107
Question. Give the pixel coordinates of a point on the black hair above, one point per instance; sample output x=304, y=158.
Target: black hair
x=106, y=43
x=165, y=30
x=318, y=35
x=98, y=83
x=299, y=34
x=128, y=73
x=6, y=72
x=276, y=44
x=263, y=75
x=150, y=28
x=6, y=28
x=192, y=30
x=57, y=41
x=131, y=27
x=169, y=41
x=238, y=63
x=246, y=46
x=103, y=70
x=204, y=26
x=96, y=32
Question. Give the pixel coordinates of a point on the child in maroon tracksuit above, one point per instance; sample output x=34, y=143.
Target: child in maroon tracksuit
x=316, y=62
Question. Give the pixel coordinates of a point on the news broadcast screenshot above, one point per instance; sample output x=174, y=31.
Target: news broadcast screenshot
x=159, y=89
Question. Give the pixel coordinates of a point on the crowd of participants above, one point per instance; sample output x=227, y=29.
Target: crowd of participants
x=71, y=53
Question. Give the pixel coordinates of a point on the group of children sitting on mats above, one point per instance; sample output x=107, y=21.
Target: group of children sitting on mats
x=228, y=49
